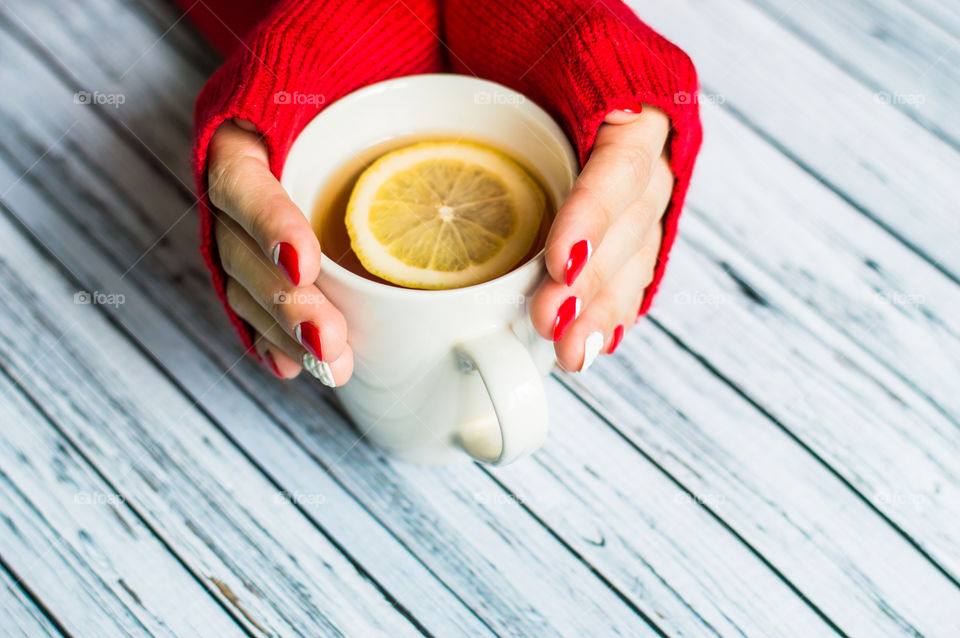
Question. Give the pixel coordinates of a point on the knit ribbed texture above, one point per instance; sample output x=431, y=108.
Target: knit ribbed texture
x=579, y=59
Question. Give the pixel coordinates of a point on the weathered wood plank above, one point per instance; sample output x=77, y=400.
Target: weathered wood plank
x=72, y=540
x=908, y=61
x=940, y=12
x=253, y=550
x=122, y=46
x=787, y=506
x=850, y=273
x=643, y=583
x=19, y=616
x=668, y=575
x=865, y=422
x=890, y=167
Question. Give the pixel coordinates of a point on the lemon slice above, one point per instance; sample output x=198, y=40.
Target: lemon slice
x=443, y=215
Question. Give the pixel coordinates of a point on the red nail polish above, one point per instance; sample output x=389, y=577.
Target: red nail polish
x=285, y=256
x=568, y=311
x=616, y=338
x=309, y=337
x=271, y=363
x=579, y=254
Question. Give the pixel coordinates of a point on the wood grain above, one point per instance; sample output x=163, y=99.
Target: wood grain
x=888, y=166
x=852, y=274
x=248, y=545
x=908, y=61
x=73, y=540
x=20, y=616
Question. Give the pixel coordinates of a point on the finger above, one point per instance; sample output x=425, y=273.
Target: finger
x=304, y=312
x=627, y=235
x=611, y=313
x=616, y=174
x=280, y=353
x=275, y=359
x=241, y=185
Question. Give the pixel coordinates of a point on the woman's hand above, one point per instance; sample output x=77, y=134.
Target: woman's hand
x=603, y=245
x=272, y=259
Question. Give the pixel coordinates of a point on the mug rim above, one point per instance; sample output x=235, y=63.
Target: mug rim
x=329, y=266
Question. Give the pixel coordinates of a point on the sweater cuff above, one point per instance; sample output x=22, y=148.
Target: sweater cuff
x=303, y=56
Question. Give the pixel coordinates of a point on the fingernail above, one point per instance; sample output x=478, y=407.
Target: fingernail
x=285, y=256
x=567, y=312
x=308, y=335
x=319, y=369
x=616, y=338
x=271, y=363
x=579, y=254
x=591, y=348
x=628, y=110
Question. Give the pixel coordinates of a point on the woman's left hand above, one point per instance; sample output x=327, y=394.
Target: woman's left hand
x=603, y=245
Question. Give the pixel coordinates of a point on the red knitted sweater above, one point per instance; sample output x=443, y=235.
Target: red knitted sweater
x=578, y=59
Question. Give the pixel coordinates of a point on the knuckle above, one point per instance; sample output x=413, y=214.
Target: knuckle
x=279, y=303
x=601, y=205
x=263, y=217
x=594, y=278
x=637, y=161
x=227, y=247
x=221, y=181
x=236, y=298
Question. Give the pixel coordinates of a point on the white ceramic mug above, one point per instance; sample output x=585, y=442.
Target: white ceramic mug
x=439, y=375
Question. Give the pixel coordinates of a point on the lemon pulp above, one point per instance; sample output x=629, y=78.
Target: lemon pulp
x=443, y=215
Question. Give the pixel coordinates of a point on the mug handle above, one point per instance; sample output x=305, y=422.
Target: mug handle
x=516, y=390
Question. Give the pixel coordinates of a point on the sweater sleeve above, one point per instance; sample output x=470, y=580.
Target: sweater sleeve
x=581, y=59
x=303, y=55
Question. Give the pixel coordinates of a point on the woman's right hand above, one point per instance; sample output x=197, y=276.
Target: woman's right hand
x=272, y=259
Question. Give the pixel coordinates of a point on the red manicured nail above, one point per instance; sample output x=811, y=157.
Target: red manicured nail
x=309, y=337
x=579, y=254
x=271, y=363
x=285, y=256
x=616, y=338
x=568, y=311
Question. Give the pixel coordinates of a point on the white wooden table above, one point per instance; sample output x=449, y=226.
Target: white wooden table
x=775, y=451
